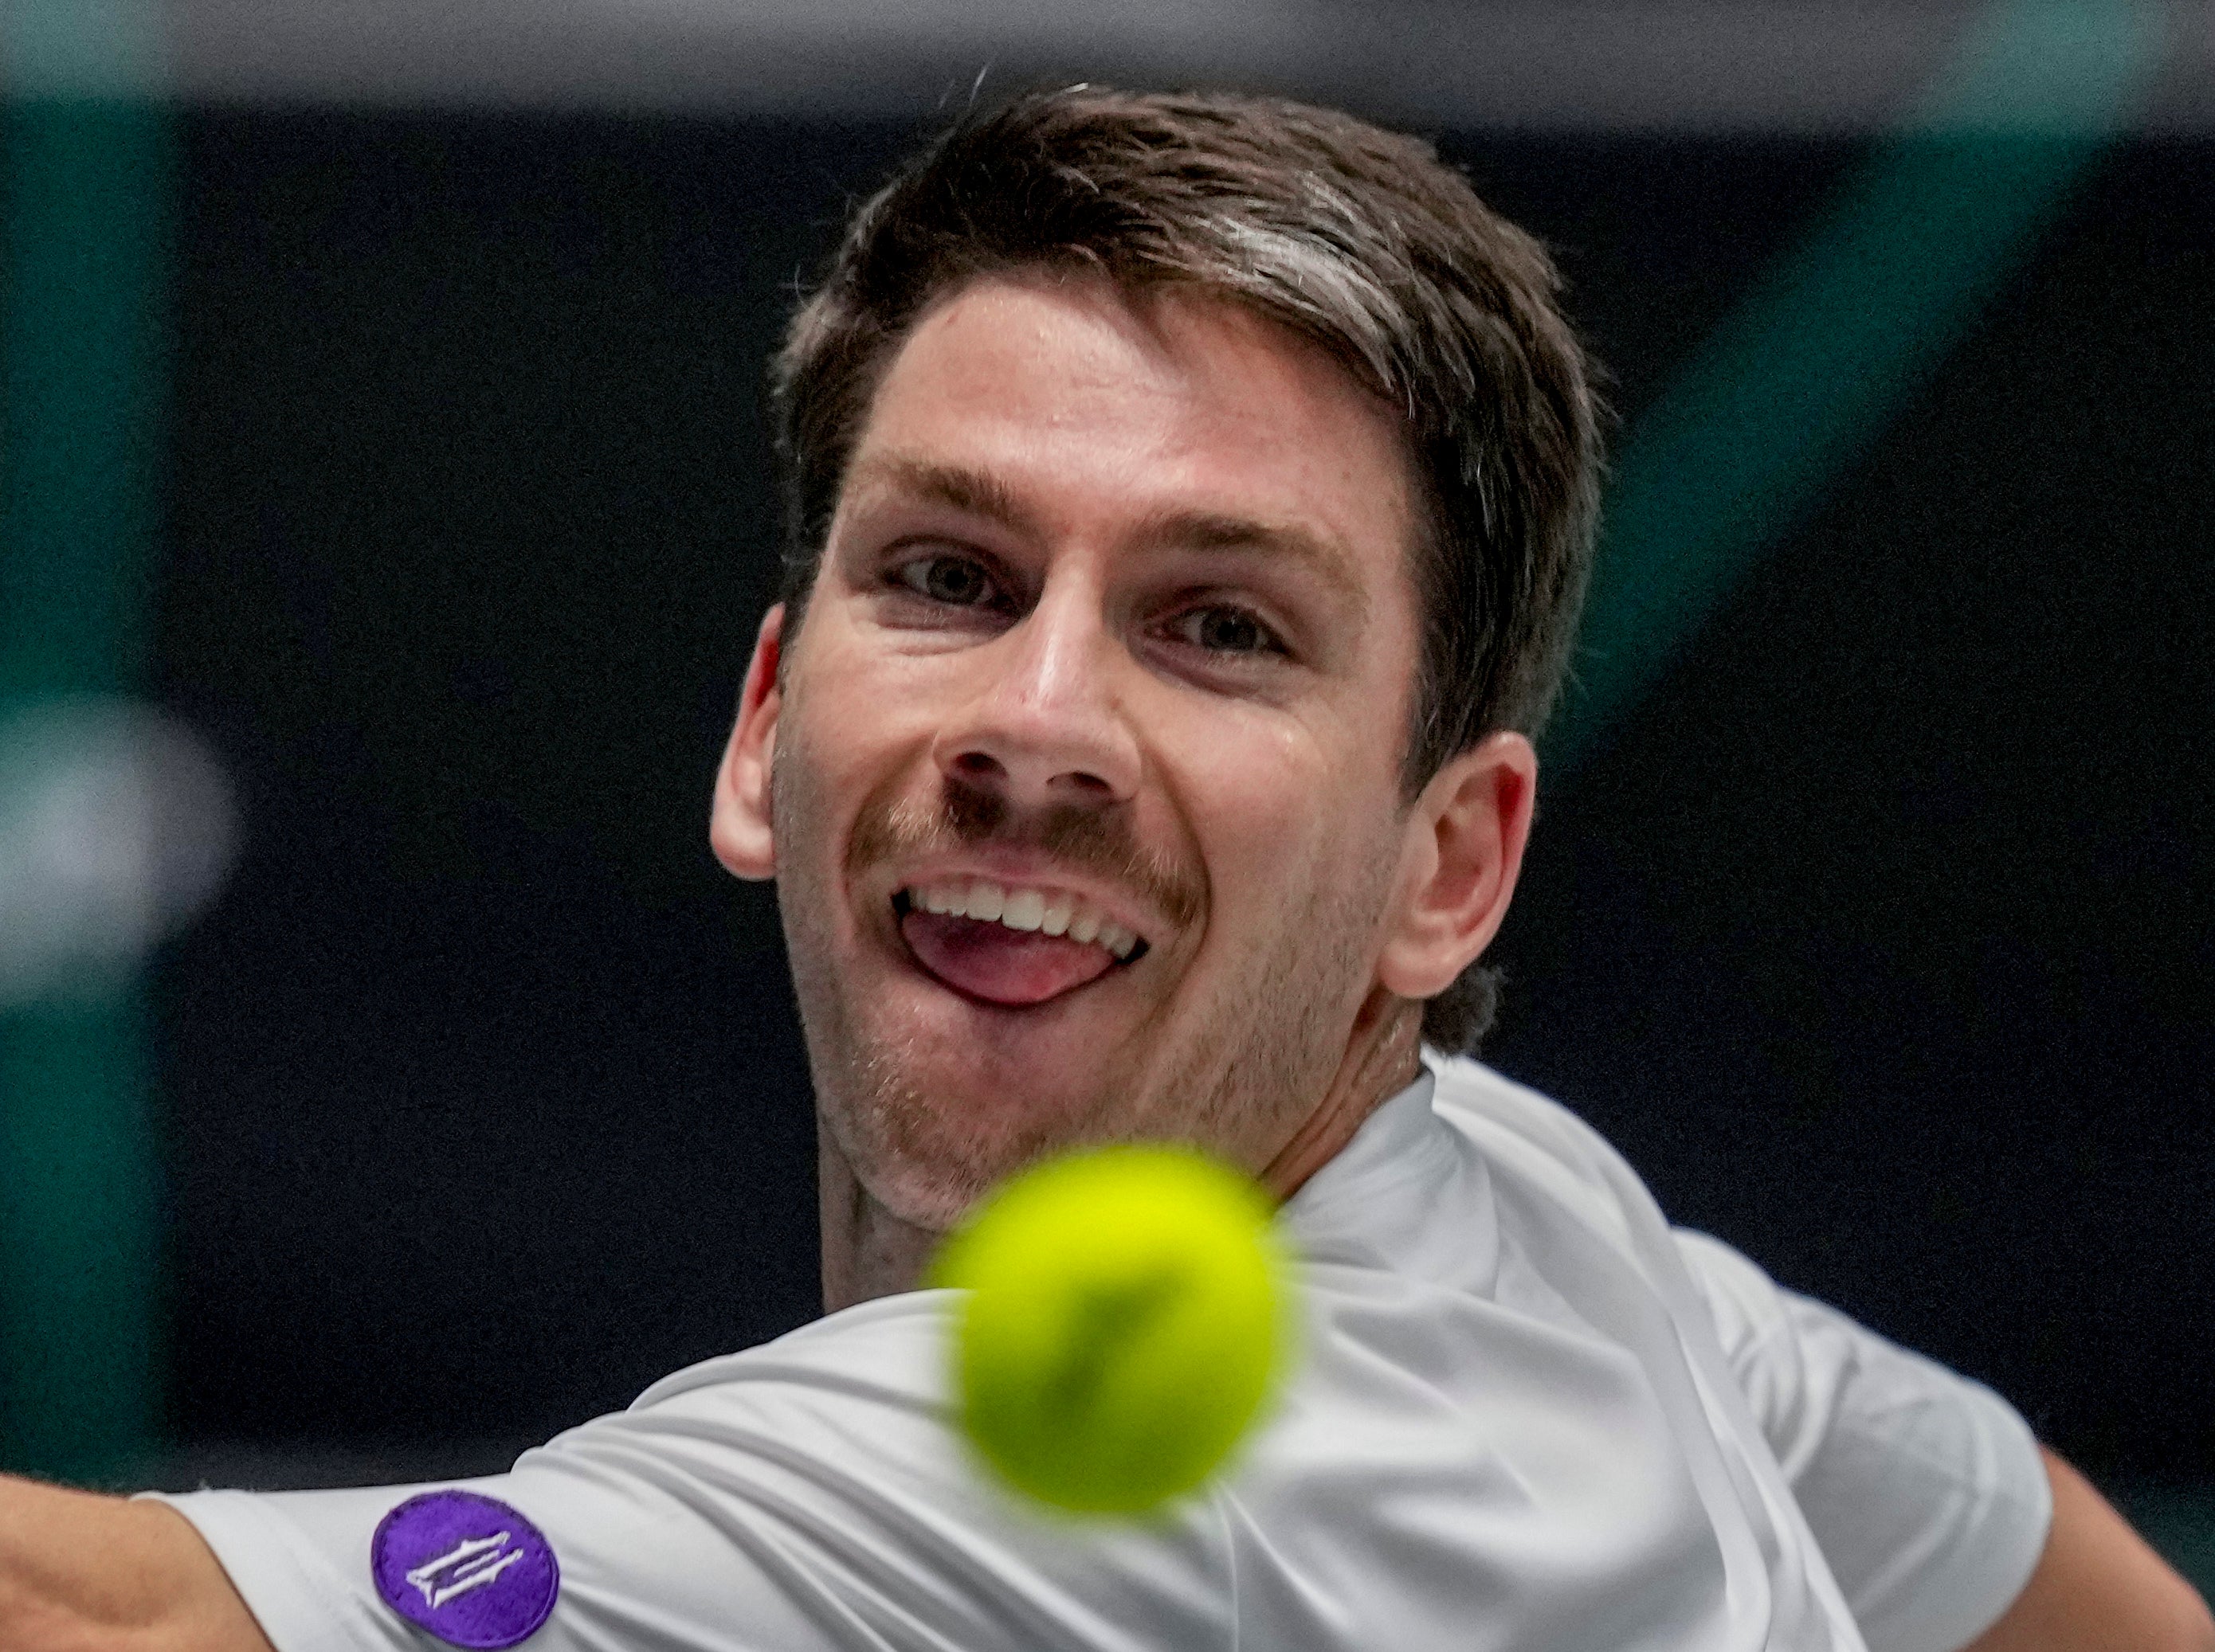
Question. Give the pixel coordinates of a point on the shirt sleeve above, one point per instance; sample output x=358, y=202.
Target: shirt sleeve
x=801, y=1496
x=1925, y=1490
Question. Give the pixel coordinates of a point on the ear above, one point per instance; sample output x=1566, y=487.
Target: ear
x=1458, y=865
x=739, y=826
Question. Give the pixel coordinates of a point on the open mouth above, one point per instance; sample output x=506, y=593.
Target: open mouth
x=1010, y=947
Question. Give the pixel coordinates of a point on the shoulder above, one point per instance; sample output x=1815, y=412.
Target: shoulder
x=1568, y=1165
x=850, y=1410
x=1534, y=1140
x=1468, y=1089
x=890, y=1351
x=806, y=1494
x=820, y=1477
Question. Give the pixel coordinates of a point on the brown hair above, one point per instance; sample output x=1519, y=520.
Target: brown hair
x=1359, y=239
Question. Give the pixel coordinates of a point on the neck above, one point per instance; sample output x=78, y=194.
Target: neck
x=868, y=1252
x=1383, y=1057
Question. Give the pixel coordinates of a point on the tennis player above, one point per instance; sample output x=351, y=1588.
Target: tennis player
x=1190, y=500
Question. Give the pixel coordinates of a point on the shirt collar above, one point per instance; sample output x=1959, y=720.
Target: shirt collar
x=1401, y=1146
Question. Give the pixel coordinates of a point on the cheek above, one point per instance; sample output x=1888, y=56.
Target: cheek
x=851, y=706
x=1261, y=804
x=1300, y=825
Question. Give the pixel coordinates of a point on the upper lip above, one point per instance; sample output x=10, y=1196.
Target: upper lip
x=1020, y=870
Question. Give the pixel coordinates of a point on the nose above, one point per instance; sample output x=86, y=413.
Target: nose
x=1043, y=725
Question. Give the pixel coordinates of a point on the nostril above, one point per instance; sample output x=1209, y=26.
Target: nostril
x=977, y=764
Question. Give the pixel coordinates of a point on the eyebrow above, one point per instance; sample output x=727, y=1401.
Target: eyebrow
x=980, y=493
x=972, y=493
x=1204, y=530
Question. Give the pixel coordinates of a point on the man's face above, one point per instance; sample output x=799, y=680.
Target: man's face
x=1114, y=635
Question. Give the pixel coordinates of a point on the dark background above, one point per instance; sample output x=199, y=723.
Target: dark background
x=1878, y=937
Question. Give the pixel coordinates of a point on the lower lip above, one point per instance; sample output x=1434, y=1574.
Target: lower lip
x=998, y=965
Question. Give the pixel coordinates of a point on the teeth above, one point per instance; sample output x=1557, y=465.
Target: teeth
x=1050, y=911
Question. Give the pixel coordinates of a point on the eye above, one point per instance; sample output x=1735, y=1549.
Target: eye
x=1223, y=630
x=957, y=581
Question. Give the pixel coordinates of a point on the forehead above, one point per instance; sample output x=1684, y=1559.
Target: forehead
x=1061, y=403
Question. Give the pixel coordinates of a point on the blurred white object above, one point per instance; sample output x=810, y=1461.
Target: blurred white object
x=117, y=824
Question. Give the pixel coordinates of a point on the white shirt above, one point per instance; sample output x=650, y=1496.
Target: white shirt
x=1529, y=1415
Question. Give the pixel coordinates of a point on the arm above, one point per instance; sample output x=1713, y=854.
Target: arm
x=80, y=1573
x=2098, y=1585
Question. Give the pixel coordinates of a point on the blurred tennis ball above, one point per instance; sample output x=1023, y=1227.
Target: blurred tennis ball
x=1129, y=1312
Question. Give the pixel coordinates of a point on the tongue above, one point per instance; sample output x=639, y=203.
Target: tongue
x=999, y=965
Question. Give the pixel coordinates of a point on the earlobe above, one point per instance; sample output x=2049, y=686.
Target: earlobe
x=1463, y=855
x=739, y=829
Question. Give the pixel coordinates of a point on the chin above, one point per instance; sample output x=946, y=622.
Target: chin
x=929, y=1161
x=916, y=1175
x=935, y=1198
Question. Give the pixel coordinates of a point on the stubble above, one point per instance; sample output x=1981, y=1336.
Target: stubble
x=1236, y=1075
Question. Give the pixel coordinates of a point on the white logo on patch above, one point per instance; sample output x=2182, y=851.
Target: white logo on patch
x=470, y=1564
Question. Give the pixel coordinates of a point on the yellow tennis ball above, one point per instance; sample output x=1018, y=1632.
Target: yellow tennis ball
x=1128, y=1314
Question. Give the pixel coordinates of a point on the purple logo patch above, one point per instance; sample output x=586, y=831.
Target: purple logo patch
x=468, y=1569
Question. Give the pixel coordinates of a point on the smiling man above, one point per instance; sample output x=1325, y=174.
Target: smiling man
x=1190, y=501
